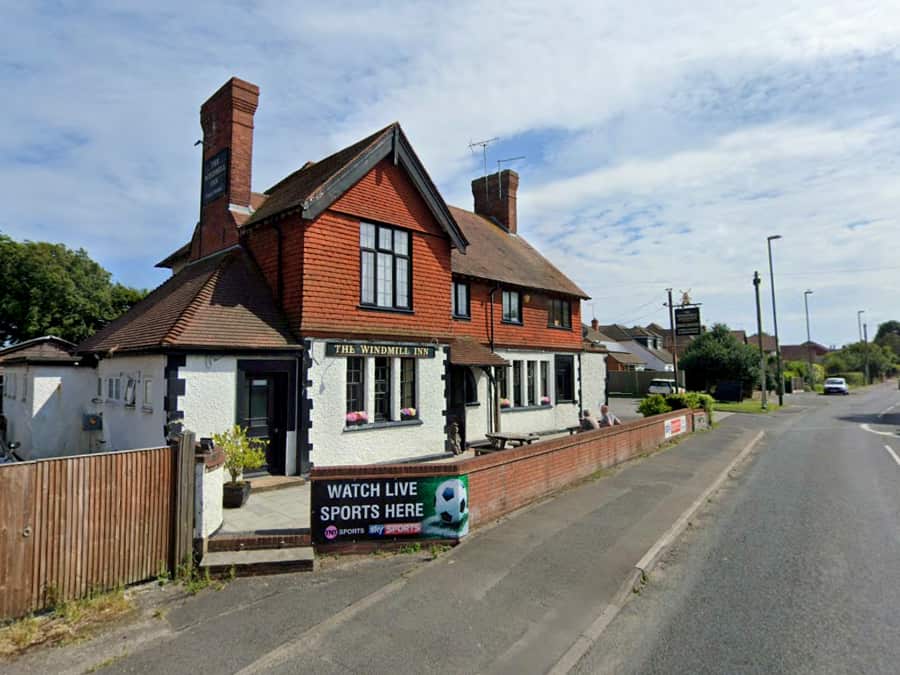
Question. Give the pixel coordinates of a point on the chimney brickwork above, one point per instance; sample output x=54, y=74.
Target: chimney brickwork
x=495, y=197
x=227, y=122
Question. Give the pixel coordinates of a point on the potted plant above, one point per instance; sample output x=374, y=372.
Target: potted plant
x=241, y=453
x=357, y=418
x=545, y=400
x=407, y=413
x=504, y=403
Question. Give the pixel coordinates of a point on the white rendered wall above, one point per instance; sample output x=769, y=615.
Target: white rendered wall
x=208, y=500
x=210, y=395
x=478, y=417
x=61, y=395
x=333, y=444
x=143, y=424
x=542, y=418
x=18, y=411
x=593, y=381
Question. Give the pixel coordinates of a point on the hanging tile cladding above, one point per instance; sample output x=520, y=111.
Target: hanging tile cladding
x=263, y=242
x=332, y=267
x=533, y=332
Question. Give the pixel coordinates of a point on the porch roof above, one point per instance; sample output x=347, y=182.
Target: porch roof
x=468, y=352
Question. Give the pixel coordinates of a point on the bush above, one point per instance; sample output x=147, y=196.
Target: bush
x=654, y=404
x=241, y=452
x=854, y=379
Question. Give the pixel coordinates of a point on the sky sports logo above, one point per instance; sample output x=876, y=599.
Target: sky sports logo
x=395, y=529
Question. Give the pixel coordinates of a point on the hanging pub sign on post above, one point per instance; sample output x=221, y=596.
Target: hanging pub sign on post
x=687, y=321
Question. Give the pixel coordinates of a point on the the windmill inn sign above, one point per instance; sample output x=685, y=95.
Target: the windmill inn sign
x=368, y=349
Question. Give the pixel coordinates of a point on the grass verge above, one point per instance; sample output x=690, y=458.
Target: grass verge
x=65, y=623
x=746, y=407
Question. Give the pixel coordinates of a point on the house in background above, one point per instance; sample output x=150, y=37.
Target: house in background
x=768, y=342
x=47, y=393
x=802, y=352
x=618, y=358
x=645, y=344
x=347, y=315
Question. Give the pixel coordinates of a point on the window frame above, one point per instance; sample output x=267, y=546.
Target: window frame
x=568, y=359
x=503, y=382
x=382, y=412
x=545, y=380
x=504, y=294
x=455, y=308
x=377, y=250
x=517, y=385
x=531, y=396
x=408, y=364
x=561, y=310
x=361, y=384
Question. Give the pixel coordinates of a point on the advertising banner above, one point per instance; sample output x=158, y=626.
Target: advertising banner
x=676, y=426
x=687, y=321
x=433, y=507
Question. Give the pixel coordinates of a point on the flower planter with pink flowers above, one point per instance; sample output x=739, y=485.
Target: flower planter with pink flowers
x=545, y=400
x=409, y=414
x=358, y=418
x=505, y=403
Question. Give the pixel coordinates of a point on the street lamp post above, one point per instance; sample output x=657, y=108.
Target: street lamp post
x=780, y=382
x=859, y=322
x=812, y=380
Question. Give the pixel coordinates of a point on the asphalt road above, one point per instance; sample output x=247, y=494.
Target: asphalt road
x=796, y=566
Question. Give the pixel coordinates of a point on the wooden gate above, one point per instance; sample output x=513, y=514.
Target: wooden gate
x=75, y=525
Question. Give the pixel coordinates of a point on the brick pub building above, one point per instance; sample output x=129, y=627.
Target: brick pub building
x=347, y=314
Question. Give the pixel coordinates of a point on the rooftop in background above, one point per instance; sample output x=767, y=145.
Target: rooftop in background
x=48, y=349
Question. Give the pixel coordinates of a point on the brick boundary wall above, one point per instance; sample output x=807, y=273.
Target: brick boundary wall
x=502, y=482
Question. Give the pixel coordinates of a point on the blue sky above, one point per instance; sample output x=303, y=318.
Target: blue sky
x=662, y=144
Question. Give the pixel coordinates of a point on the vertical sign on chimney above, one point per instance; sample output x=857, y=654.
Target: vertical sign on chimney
x=215, y=176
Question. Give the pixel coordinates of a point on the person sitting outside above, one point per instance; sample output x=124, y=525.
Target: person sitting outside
x=607, y=417
x=588, y=423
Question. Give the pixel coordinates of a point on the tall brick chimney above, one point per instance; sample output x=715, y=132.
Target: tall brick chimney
x=595, y=325
x=227, y=121
x=495, y=197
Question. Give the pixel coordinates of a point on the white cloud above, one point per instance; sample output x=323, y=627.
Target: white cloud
x=664, y=140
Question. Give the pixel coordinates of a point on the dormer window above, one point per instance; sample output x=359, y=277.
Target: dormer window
x=385, y=267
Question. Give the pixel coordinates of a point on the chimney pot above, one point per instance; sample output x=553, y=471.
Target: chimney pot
x=595, y=324
x=495, y=197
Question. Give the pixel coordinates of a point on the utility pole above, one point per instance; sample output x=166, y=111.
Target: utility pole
x=780, y=383
x=762, y=352
x=674, y=338
x=866, y=345
x=859, y=322
x=806, y=295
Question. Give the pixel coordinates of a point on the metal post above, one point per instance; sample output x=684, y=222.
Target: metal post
x=762, y=352
x=866, y=345
x=859, y=322
x=812, y=380
x=674, y=339
x=780, y=383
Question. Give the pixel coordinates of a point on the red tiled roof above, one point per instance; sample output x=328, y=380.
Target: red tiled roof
x=468, y=352
x=500, y=256
x=291, y=191
x=219, y=301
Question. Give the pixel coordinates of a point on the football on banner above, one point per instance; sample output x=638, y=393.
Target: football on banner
x=451, y=501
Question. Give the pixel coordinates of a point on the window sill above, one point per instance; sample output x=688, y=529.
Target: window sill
x=383, y=425
x=476, y=404
x=462, y=317
x=566, y=328
x=147, y=408
x=526, y=408
x=510, y=323
x=390, y=310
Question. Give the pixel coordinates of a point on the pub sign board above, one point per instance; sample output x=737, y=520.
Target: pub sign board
x=368, y=349
x=687, y=321
x=215, y=176
x=431, y=507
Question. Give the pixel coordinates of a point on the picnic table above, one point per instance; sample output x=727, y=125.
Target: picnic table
x=500, y=439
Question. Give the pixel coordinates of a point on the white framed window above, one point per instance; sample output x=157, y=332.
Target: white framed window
x=118, y=388
x=148, y=392
x=130, y=392
x=110, y=389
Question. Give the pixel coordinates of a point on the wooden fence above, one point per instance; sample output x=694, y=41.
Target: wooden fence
x=75, y=525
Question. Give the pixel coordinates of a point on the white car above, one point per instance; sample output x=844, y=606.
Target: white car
x=836, y=385
x=663, y=387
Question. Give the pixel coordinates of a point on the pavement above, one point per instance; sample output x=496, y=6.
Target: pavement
x=796, y=566
x=515, y=596
x=282, y=509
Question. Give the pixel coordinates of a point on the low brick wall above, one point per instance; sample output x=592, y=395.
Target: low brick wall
x=502, y=482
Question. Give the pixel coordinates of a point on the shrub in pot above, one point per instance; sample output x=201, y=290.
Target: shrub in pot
x=241, y=454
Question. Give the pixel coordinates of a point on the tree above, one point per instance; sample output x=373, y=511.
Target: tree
x=49, y=289
x=888, y=335
x=717, y=356
x=852, y=358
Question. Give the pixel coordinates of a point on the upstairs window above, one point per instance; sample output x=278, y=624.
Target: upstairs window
x=559, y=314
x=512, y=307
x=385, y=267
x=461, y=307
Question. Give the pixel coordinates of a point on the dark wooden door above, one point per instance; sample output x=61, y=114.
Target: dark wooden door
x=265, y=415
x=456, y=411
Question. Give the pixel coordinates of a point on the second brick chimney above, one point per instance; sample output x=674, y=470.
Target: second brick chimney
x=227, y=121
x=495, y=197
x=595, y=325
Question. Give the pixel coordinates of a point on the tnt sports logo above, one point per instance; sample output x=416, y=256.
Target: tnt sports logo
x=331, y=532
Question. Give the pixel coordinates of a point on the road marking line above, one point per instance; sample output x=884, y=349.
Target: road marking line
x=893, y=454
x=866, y=427
x=890, y=407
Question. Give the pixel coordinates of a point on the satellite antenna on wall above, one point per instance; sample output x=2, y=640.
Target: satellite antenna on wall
x=500, y=162
x=483, y=144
